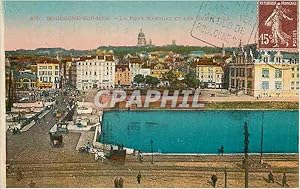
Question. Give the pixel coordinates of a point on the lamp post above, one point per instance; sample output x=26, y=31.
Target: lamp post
x=262, y=138
x=246, y=143
x=151, y=141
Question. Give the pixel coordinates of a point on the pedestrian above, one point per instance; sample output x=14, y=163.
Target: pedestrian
x=19, y=174
x=284, y=183
x=214, y=179
x=140, y=156
x=14, y=131
x=271, y=177
x=243, y=162
x=8, y=168
x=138, y=178
x=31, y=184
x=121, y=182
x=116, y=182
x=18, y=131
x=133, y=153
x=222, y=150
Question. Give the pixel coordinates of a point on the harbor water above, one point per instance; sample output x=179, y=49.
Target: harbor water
x=202, y=132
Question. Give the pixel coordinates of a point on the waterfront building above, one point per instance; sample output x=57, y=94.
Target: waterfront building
x=276, y=75
x=25, y=80
x=141, y=39
x=264, y=74
x=122, y=75
x=48, y=75
x=209, y=73
x=135, y=65
x=158, y=70
x=94, y=72
x=241, y=71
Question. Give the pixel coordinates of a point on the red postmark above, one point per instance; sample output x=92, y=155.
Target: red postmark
x=277, y=29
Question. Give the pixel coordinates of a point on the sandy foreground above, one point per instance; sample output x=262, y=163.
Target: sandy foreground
x=166, y=171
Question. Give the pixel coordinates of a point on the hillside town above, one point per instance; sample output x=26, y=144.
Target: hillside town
x=242, y=71
x=50, y=105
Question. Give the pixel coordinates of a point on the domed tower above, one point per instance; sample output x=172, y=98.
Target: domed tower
x=141, y=39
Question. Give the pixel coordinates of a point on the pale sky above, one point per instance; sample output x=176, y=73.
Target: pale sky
x=21, y=32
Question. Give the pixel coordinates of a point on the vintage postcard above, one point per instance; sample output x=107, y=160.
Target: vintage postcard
x=149, y=94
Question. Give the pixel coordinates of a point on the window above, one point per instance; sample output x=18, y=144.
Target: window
x=56, y=67
x=232, y=72
x=292, y=84
x=249, y=72
x=278, y=60
x=49, y=67
x=293, y=75
x=278, y=85
x=56, y=72
x=49, y=72
x=298, y=75
x=265, y=85
x=265, y=73
x=242, y=72
x=249, y=85
x=278, y=73
x=50, y=79
x=95, y=73
x=297, y=84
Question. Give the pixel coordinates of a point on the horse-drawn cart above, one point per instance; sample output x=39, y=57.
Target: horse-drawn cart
x=56, y=139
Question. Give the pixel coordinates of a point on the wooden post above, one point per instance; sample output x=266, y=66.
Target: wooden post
x=151, y=151
x=225, y=174
x=246, y=141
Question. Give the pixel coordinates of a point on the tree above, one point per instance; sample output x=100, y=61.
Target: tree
x=191, y=81
x=153, y=81
x=171, y=77
x=139, y=78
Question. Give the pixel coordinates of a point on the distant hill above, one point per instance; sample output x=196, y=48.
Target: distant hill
x=118, y=50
